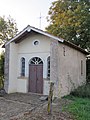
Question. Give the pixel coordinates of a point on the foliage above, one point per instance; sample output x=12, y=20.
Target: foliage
x=88, y=70
x=8, y=29
x=1, y=69
x=80, y=108
x=88, y=78
x=70, y=19
x=82, y=91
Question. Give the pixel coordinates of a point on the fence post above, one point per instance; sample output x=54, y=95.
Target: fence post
x=49, y=108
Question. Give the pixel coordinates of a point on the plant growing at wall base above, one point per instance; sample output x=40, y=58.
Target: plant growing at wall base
x=82, y=91
x=2, y=70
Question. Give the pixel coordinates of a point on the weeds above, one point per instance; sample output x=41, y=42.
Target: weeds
x=82, y=91
x=80, y=106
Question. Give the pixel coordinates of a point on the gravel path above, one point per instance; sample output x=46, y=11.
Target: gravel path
x=41, y=112
x=14, y=105
x=19, y=106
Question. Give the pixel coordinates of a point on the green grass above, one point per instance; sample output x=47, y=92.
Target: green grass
x=79, y=108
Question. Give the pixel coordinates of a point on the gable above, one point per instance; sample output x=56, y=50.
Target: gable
x=31, y=30
x=28, y=45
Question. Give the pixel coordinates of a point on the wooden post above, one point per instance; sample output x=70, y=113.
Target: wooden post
x=49, y=108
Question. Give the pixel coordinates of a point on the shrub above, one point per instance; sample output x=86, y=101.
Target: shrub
x=82, y=91
x=1, y=70
x=88, y=78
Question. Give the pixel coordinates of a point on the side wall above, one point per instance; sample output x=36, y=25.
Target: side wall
x=13, y=59
x=66, y=68
x=6, y=67
x=70, y=75
x=54, y=65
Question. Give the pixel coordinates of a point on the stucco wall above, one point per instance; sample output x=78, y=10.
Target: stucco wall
x=13, y=60
x=22, y=84
x=65, y=65
x=69, y=69
x=66, y=68
x=54, y=65
x=6, y=67
x=28, y=50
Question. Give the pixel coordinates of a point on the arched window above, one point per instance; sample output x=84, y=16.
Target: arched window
x=22, y=66
x=48, y=67
x=36, y=61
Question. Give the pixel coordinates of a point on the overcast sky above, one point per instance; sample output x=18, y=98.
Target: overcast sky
x=26, y=11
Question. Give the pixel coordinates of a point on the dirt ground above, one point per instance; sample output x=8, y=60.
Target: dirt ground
x=19, y=106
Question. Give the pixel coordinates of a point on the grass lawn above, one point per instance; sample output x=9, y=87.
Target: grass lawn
x=79, y=108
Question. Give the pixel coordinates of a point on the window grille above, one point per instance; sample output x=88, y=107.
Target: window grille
x=36, y=61
x=48, y=67
x=22, y=66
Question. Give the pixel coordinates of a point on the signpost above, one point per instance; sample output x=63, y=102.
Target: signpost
x=49, y=108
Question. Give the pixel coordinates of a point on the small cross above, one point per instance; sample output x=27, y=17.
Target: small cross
x=40, y=20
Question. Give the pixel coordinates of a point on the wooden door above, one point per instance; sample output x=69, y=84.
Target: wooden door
x=36, y=78
x=39, y=78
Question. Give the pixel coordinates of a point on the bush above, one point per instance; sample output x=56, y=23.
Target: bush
x=82, y=91
x=1, y=70
x=88, y=78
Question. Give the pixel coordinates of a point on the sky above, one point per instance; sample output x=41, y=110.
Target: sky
x=26, y=12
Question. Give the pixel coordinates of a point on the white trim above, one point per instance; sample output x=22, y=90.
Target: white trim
x=35, y=56
x=28, y=29
x=19, y=34
x=34, y=41
x=46, y=34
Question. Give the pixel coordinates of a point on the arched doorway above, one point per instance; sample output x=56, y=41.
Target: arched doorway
x=36, y=75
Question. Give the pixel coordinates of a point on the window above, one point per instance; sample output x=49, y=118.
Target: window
x=48, y=67
x=22, y=66
x=36, y=61
x=36, y=42
x=81, y=67
x=63, y=51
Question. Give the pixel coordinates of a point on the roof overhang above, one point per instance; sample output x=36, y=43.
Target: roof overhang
x=27, y=30
x=75, y=47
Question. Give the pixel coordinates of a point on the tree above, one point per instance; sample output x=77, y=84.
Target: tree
x=70, y=19
x=8, y=29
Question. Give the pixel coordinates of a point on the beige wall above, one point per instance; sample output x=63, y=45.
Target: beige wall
x=54, y=65
x=68, y=69
x=26, y=46
x=6, y=67
x=65, y=70
x=28, y=50
x=22, y=85
x=13, y=59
